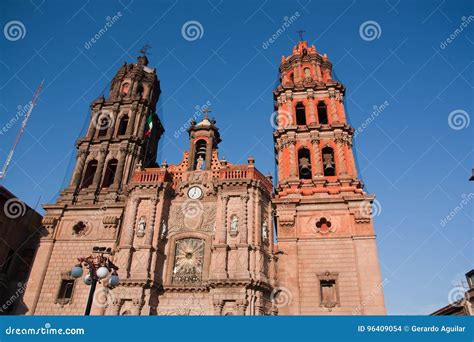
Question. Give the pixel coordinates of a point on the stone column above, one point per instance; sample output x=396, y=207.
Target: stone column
x=131, y=121
x=92, y=126
x=312, y=112
x=280, y=166
x=244, y=230
x=100, y=167
x=288, y=121
x=223, y=230
x=319, y=74
x=113, y=120
x=192, y=149
x=332, y=102
x=352, y=169
x=130, y=226
x=318, y=165
x=209, y=154
x=151, y=228
x=293, y=162
x=77, y=176
x=121, y=163
x=341, y=157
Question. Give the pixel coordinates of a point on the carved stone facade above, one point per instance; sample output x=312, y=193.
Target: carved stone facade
x=198, y=238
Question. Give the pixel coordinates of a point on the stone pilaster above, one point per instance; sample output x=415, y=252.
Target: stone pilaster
x=79, y=169
x=100, y=167
x=151, y=228
x=223, y=230
x=341, y=157
x=244, y=226
x=318, y=165
x=120, y=167
x=293, y=163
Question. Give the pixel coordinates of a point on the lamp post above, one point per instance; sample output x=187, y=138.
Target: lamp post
x=100, y=268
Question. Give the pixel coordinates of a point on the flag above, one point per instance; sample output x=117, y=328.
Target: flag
x=149, y=125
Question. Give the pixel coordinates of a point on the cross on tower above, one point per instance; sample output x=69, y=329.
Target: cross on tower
x=207, y=111
x=300, y=32
x=144, y=49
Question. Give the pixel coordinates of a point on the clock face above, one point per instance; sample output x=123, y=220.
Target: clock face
x=194, y=192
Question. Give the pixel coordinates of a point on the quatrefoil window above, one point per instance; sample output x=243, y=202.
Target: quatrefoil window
x=79, y=228
x=323, y=225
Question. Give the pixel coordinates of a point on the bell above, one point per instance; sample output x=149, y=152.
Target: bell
x=305, y=167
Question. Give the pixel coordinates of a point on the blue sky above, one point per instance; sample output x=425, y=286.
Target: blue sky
x=414, y=155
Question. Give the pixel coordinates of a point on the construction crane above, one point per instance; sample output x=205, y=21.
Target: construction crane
x=33, y=102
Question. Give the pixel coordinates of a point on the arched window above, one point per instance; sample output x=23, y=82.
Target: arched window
x=322, y=113
x=328, y=161
x=292, y=78
x=300, y=114
x=89, y=174
x=123, y=125
x=200, y=155
x=110, y=173
x=125, y=88
x=304, y=163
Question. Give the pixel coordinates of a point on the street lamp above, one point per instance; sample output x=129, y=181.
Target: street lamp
x=99, y=268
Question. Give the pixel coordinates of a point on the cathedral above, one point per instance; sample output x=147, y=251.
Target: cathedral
x=206, y=236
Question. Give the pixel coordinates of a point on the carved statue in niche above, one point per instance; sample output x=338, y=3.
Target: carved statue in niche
x=164, y=229
x=234, y=224
x=200, y=163
x=141, y=226
x=264, y=230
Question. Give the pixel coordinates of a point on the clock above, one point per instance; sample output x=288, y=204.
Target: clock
x=195, y=192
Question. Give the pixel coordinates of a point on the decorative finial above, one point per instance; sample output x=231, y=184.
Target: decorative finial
x=144, y=49
x=300, y=32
